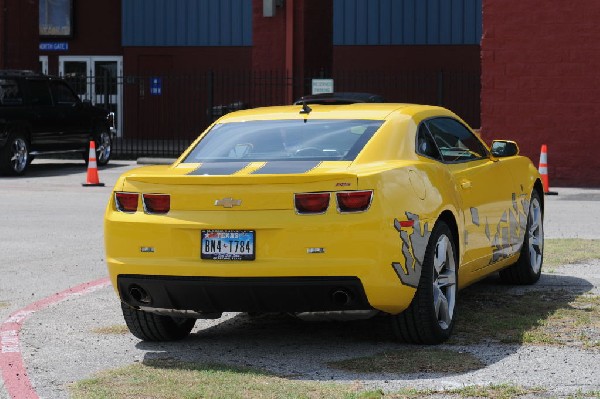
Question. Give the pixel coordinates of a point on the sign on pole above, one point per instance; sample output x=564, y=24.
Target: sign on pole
x=322, y=86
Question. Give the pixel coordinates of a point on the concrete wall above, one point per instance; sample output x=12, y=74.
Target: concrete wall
x=540, y=83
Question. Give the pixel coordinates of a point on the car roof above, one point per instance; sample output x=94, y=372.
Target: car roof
x=26, y=74
x=374, y=111
x=18, y=73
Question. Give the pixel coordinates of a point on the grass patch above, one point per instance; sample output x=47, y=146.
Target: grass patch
x=565, y=251
x=3, y=304
x=174, y=379
x=170, y=379
x=500, y=391
x=541, y=318
x=118, y=329
x=423, y=360
x=545, y=318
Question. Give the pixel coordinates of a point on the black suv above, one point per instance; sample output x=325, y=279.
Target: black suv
x=42, y=115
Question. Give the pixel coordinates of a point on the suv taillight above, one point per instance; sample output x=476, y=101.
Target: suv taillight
x=312, y=203
x=354, y=201
x=126, y=202
x=156, y=203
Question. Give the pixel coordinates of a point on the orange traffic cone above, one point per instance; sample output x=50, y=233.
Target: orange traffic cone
x=543, y=169
x=92, y=172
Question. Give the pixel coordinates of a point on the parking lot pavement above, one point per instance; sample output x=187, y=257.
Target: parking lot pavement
x=573, y=213
x=62, y=349
x=51, y=238
x=51, y=231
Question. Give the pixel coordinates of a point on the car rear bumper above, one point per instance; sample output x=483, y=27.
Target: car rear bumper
x=243, y=294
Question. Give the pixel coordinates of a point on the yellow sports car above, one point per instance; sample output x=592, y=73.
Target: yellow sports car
x=341, y=211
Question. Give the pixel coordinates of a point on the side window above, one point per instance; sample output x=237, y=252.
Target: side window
x=425, y=144
x=455, y=142
x=9, y=92
x=62, y=94
x=39, y=92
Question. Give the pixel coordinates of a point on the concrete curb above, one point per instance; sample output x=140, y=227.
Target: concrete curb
x=155, y=161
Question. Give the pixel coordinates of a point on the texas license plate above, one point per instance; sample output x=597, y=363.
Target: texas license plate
x=227, y=244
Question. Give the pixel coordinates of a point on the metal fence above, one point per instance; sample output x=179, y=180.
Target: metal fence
x=162, y=115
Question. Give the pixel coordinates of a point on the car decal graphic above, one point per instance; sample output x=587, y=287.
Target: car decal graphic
x=414, y=246
x=219, y=168
x=475, y=216
x=509, y=232
x=286, y=167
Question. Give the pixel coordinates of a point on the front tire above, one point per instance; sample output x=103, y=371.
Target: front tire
x=430, y=317
x=152, y=327
x=14, y=157
x=528, y=268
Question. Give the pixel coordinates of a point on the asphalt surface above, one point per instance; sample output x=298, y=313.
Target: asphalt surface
x=51, y=239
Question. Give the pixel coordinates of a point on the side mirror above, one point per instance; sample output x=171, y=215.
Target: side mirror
x=504, y=148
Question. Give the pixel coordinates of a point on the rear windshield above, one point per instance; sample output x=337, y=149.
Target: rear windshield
x=9, y=92
x=319, y=140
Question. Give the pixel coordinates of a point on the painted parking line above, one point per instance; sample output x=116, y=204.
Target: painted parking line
x=14, y=372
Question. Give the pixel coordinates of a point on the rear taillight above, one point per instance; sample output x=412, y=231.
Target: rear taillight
x=312, y=203
x=126, y=202
x=354, y=201
x=156, y=203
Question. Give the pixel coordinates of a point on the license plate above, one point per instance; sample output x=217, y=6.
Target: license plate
x=227, y=244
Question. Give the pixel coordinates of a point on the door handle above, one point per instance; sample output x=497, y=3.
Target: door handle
x=465, y=184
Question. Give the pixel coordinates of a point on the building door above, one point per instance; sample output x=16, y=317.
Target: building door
x=98, y=79
x=44, y=64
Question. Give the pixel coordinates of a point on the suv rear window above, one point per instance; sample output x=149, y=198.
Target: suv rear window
x=274, y=140
x=9, y=92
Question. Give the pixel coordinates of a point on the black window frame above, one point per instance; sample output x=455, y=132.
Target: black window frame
x=424, y=126
x=30, y=84
x=56, y=98
x=486, y=153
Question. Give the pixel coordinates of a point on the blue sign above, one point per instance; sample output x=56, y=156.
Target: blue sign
x=155, y=86
x=54, y=46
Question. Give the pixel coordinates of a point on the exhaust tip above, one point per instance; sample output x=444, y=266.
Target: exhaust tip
x=139, y=294
x=341, y=297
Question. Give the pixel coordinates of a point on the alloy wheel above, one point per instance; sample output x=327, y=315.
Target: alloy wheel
x=444, y=282
x=18, y=159
x=535, y=235
x=103, y=148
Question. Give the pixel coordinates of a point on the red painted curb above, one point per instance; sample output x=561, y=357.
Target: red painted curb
x=14, y=373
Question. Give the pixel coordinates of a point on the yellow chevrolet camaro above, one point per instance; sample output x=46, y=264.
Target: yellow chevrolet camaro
x=341, y=211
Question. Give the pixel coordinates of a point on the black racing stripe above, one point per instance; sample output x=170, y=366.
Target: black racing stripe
x=286, y=167
x=219, y=168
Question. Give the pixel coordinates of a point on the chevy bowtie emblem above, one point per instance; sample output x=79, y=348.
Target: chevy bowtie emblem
x=228, y=202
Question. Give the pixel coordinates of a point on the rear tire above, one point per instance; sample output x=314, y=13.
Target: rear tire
x=430, y=317
x=14, y=156
x=103, y=147
x=103, y=143
x=528, y=268
x=152, y=327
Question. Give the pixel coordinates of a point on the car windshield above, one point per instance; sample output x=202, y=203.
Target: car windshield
x=272, y=140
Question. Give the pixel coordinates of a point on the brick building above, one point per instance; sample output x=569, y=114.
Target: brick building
x=538, y=64
x=540, y=83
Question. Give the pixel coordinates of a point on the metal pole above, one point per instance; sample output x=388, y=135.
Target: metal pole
x=440, y=88
x=106, y=93
x=210, y=92
x=3, y=33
